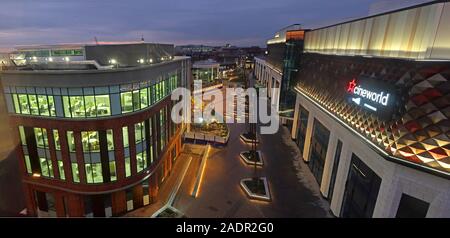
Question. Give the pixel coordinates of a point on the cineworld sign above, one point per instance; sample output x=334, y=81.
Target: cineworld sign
x=372, y=95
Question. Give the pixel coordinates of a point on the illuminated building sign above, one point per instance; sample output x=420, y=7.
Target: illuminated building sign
x=374, y=96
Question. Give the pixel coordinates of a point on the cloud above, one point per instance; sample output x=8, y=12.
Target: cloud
x=249, y=22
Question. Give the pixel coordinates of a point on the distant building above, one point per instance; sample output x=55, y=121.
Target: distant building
x=277, y=69
x=207, y=71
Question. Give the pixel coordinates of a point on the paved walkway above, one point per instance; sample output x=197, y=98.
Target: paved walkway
x=184, y=171
x=294, y=190
x=11, y=193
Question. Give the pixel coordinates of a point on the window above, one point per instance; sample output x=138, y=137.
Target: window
x=151, y=90
x=43, y=105
x=103, y=105
x=361, y=190
x=162, y=120
x=46, y=167
x=93, y=165
x=75, y=173
x=77, y=106
x=90, y=141
x=70, y=141
x=139, y=130
x=110, y=140
x=302, y=125
x=16, y=103
x=126, y=142
x=66, y=106
x=126, y=100
x=141, y=159
x=22, y=135
x=24, y=105
x=112, y=170
x=127, y=167
x=94, y=173
x=51, y=106
x=28, y=164
x=56, y=139
x=136, y=104
x=91, y=110
x=337, y=156
x=62, y=175
x=144, y=98
x=34, y=107
x=45, y=162
x=411, y=207
x=318, y=150
x=41, y=137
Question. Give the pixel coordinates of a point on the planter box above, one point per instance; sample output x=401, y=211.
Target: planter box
x=248, y=140
x=249, y=162
x=262, y=197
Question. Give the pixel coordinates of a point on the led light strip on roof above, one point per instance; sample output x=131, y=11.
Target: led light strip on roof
x=380, y=150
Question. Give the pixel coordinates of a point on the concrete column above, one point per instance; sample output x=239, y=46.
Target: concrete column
x=341, y=178
x=328, y=166
x=296, y=116
x=309, y=130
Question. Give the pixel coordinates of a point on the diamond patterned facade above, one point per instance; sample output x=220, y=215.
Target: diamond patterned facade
x=419, y=130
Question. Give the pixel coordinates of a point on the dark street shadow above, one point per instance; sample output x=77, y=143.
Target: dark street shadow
x=11, y=193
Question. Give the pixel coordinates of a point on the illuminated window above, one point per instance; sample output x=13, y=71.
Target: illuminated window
x=127, y=167
x=136, y=97
x=125, y=137
x=34, y=108
x=89, y=102
x=16, y=103
x=46, y=167
x=139, y=130
x=70, y=141
x=77, y=106
x=41, y=137
x=112, y=170
x=110, y=140
x=66, y=106
x=75, y=173
x=61, y=170
x=90, y=141
x=28, y=164
x=141, y=159
x=93, y=166
x=126, y=100
x=51, y=106
x=23, y=102
x=22, y=135
x=56, y=139
x=43, y=105
x=103, y=105
x=144, y=98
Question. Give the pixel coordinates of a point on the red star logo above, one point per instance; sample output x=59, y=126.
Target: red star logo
x=351, y=86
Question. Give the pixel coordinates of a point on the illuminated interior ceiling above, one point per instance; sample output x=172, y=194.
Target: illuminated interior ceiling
x=419, y=33
x=419, y=130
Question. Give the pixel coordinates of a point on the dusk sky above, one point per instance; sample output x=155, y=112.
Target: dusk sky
x=212, y=22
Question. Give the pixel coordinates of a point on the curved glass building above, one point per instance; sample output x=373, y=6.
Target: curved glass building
x=93, y=124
